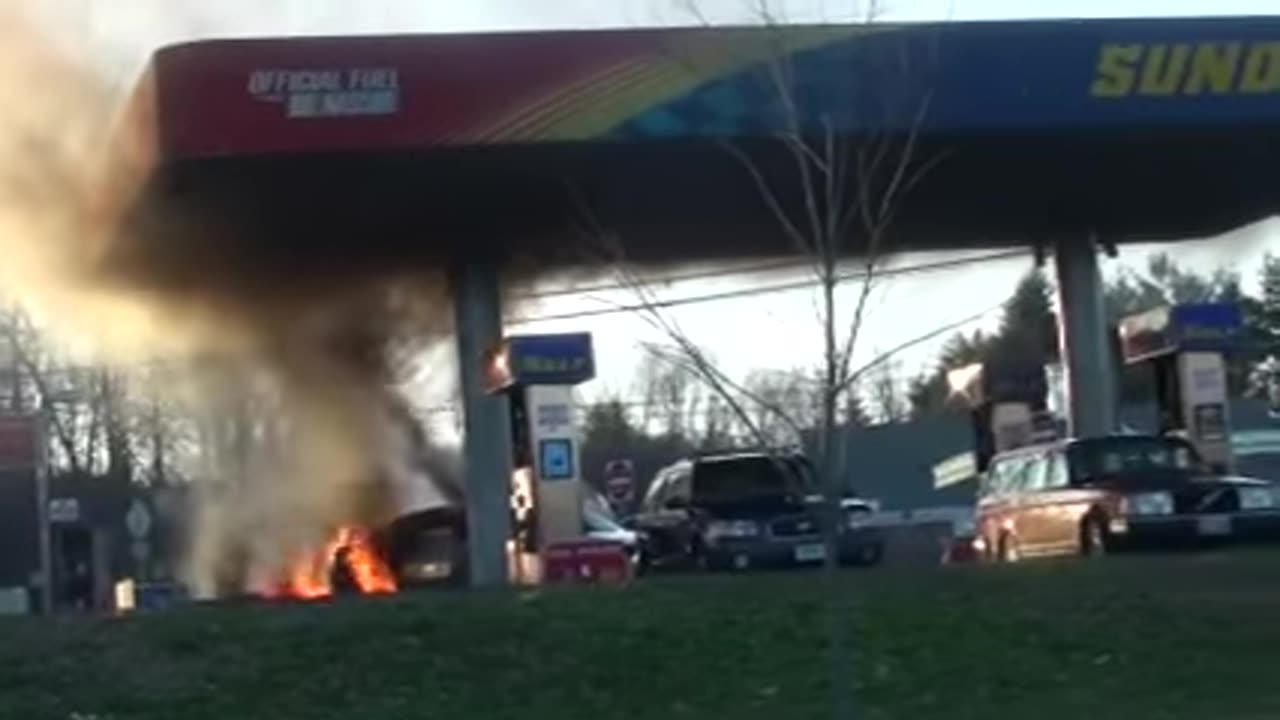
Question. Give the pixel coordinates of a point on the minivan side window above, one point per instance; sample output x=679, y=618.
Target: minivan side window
x=1059, y=476
x=1006, y=475
x=1035, y=474
x=1014, y=477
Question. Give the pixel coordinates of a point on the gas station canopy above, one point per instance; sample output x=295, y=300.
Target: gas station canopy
x=442, y=145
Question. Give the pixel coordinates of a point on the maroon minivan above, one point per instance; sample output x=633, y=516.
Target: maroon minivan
x=1097, y=495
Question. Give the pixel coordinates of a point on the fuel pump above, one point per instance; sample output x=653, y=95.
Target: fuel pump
x=538, y=372
x=1185, y=347
x=1007, y=400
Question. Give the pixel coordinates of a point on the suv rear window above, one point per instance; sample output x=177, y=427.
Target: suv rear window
x=745, y=478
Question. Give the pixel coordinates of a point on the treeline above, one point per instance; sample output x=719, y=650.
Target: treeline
x=99, y=420
x=1029, y=327
x=670, y=414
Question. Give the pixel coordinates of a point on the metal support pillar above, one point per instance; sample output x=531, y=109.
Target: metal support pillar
x=486, y=454
x=43, y=497
x=1085, y=339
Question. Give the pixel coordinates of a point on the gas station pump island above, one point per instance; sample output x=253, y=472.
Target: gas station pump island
x=308, y=158
x=1185, y=348
x=537, y=374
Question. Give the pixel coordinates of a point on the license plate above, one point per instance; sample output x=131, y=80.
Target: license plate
x=810, y=553
x=1214, y=525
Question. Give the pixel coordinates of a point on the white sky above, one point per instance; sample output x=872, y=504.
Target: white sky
x=775, y=330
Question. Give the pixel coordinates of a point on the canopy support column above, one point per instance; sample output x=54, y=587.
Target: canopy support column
x=486, y=455
x=1085, y=339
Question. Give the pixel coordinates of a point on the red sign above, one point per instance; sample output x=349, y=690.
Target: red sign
x=619, y=480
x=17, y=441
x=587, y=561
x=244, y=97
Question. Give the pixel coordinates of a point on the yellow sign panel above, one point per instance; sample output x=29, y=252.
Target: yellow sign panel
x=1186, y=69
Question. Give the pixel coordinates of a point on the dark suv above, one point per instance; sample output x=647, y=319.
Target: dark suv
x=744, y=511
x=1094, y=495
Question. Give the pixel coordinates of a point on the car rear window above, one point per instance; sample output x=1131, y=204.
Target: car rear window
x=743, y=478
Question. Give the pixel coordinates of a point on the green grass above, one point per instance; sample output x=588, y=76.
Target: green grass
x=1167, y=637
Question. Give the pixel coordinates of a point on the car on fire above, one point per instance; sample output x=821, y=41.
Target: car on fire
x=1120, y=492
x=747, y=510
x=429, y=548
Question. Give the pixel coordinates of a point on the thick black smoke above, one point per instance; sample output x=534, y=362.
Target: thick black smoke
x=296, y=365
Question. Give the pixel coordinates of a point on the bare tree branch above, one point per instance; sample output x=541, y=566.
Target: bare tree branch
x=950, y=327
x=770, y=198
x=18, y=330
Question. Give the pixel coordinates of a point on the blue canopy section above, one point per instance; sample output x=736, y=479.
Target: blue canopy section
x=976, y=78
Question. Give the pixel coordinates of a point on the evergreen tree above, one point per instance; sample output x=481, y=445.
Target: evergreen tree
x=1263, y=318
x=1029, y=327
x=1266, y=320
x=611, y=433
x=930, y=392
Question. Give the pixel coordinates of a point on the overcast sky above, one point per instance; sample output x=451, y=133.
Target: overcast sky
x=774, y=330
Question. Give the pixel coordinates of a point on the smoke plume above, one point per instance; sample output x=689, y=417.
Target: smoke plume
x=294, y=376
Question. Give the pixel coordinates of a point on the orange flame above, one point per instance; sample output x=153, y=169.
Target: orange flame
x=371, y=574
x=310, y=577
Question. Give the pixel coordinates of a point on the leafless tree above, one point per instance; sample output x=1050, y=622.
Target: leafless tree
x=672, y=396
x=887, y=399
x=788, y=403
x=847, y=192
x=834, y=205
x=102, y=419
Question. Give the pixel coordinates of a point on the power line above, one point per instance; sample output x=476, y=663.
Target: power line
x=781, y=287
x=788, y=264
x=878, y=361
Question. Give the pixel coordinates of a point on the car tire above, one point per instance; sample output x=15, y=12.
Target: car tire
x=1007, y=551
x=1093, y=537
x=868, y=555
x=646, y=563
x=699, y=559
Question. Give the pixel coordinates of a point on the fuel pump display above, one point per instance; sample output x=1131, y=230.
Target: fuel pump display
x=538, y=372
x=1185, y=347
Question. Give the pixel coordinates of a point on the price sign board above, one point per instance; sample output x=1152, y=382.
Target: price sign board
x=18, y=440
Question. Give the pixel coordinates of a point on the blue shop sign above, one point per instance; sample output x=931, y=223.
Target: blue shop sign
x=566, y=359
x=1194, y=327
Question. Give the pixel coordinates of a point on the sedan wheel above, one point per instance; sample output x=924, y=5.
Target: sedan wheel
x=1008, y=550
x=1093, y=538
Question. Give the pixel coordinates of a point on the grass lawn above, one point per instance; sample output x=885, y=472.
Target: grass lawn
x=1164, y=637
